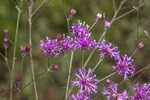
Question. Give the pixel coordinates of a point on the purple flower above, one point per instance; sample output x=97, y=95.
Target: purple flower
x=108, y=49
x=85, y=81
x=56, y=47
x=83, y=43
x=125, y=66
x=142, y=92
x=112, y=93
x=65, y=44
x=50, y=47
x=79, y=30
x=80, y=96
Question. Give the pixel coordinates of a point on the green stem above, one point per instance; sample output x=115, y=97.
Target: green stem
x=31, y=56
x=14, y=55
x=69, y=75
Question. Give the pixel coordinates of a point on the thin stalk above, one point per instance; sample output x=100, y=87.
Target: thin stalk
x=37, y=9
x=104, y=33
x=99, y=61
x=31, y=56
x=6, y=60
x=69, y=75
x=127, y=13
x=108, y=76
x=14, y=54
x=92, y=26
x=82, y=57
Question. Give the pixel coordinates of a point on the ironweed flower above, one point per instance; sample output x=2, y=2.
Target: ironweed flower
x=79, y=96
x=80, y=30
x=83, y=43
x=142, y=92
x=125, y=66
x=108, y=49
x=112, y=93
x=85, y=81
x=50, y=47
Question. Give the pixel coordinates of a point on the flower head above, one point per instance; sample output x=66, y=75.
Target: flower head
x=80, y=30
x=50, y=47
x=80, y=96
x=112, y=93
x=108, y=49
x=83, y=43
x=125, y=66
x=142, y=92
x=85, y=81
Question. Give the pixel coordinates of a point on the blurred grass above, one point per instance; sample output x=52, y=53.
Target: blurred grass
x=50, y=20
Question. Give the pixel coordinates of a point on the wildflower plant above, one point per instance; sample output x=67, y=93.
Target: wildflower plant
x=83, y=83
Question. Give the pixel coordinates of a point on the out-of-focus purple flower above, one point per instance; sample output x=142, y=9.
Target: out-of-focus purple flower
x=125, y=66
x=112, y=93
x=80, y=30
x=79, y=96
x=86, y=82
x=142, y=92
x=108, y=49
x=83, y=43
x=50, y=47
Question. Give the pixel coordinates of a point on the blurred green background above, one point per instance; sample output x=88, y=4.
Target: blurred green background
x=126, y=33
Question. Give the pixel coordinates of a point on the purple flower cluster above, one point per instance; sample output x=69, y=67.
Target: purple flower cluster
x=87, y=84
x=112, y=93
x=55, y=47
x=142, y=92
x=125, y=66
x=81, y=40
x=108, y=49
x=82, y=37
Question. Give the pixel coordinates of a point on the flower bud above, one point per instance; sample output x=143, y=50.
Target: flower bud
x=59, y=36
x=31, y=2
x=18, y=78
x=99, y=16
x=140, y=45
x=2, y=90
x=106, y=24
x=28, y=47
x=23, y=49
x=6, y=33
x=72, y=13
x=54, y=68
x=107, y=82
